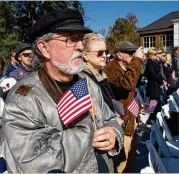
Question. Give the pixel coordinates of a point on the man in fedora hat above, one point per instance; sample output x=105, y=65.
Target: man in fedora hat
x=38, y=137
x=123, y=73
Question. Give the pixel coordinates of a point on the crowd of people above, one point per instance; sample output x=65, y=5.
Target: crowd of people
x=40, y=134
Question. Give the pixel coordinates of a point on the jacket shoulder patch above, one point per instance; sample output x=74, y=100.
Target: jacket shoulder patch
x=23, y=90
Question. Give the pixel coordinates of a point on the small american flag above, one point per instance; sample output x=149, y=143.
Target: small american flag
x=152, y=105
x=74, y=102
x=133, y=106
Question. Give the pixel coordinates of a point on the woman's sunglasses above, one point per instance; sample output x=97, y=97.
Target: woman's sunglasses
x=99, y=53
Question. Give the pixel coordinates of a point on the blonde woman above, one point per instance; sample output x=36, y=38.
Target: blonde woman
x=169, y=58
x=155, y=80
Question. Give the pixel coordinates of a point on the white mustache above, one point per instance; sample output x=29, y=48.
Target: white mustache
x=76, y=54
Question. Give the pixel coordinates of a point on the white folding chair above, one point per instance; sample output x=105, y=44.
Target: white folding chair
x=164, y=149
x=154, y=159
x=166, y=131
x=172, y=104
x=166, y=110
x=147, y=170
x=160, y=159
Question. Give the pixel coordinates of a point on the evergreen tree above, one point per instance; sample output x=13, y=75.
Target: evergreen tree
x=16, y=17
x=8, y=39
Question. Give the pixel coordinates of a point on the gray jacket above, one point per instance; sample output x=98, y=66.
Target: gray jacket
x=35, y=140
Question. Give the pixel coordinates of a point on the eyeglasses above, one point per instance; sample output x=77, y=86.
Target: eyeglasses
x=99, y=53
x=71, y=40
x=26, y=54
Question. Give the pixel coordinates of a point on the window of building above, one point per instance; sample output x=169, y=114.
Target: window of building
x=163, y=40
x=149, y=42
x=167, y=40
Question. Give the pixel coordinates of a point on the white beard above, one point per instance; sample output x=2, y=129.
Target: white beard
x=69, y=68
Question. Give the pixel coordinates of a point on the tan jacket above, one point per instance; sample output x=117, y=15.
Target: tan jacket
x=123, y=84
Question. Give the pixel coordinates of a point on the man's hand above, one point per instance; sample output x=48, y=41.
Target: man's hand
x=104, y=139
x=164, y=83
x=142, y=111
x=120, y=121
x=139, y=53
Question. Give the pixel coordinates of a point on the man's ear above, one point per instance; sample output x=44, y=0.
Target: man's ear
x=85, y=56
x=119, y=56
x=19, y=58
x=43, y=48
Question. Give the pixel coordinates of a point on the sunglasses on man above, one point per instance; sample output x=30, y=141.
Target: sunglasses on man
x=26, y=54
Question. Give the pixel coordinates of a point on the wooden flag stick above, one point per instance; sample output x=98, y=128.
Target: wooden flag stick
x=92, y=109
x=93, y=117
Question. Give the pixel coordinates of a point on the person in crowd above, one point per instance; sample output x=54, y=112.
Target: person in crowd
x=123, y=73
x=142, y=82
x=161, y=56
x=162, y=59
x=12, y=65
x=175, y=60
x=167, y=68
x=23, y=54
x=95, y=61
x=170, y=74
x=155, y=80
x=37, y=138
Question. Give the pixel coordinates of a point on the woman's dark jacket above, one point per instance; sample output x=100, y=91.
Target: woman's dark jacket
x=155, y=80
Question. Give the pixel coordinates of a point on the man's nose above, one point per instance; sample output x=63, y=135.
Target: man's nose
x=79, y=46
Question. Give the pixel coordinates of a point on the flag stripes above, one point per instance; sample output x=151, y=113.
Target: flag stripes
x=74, y=102
x=133, y=107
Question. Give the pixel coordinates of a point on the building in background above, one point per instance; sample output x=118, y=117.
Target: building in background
x=162, y=33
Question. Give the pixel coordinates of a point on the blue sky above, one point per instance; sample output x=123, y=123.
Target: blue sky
x=104, y=13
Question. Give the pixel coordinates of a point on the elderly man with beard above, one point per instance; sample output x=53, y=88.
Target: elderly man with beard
x=37, y=140
x=123, y=73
